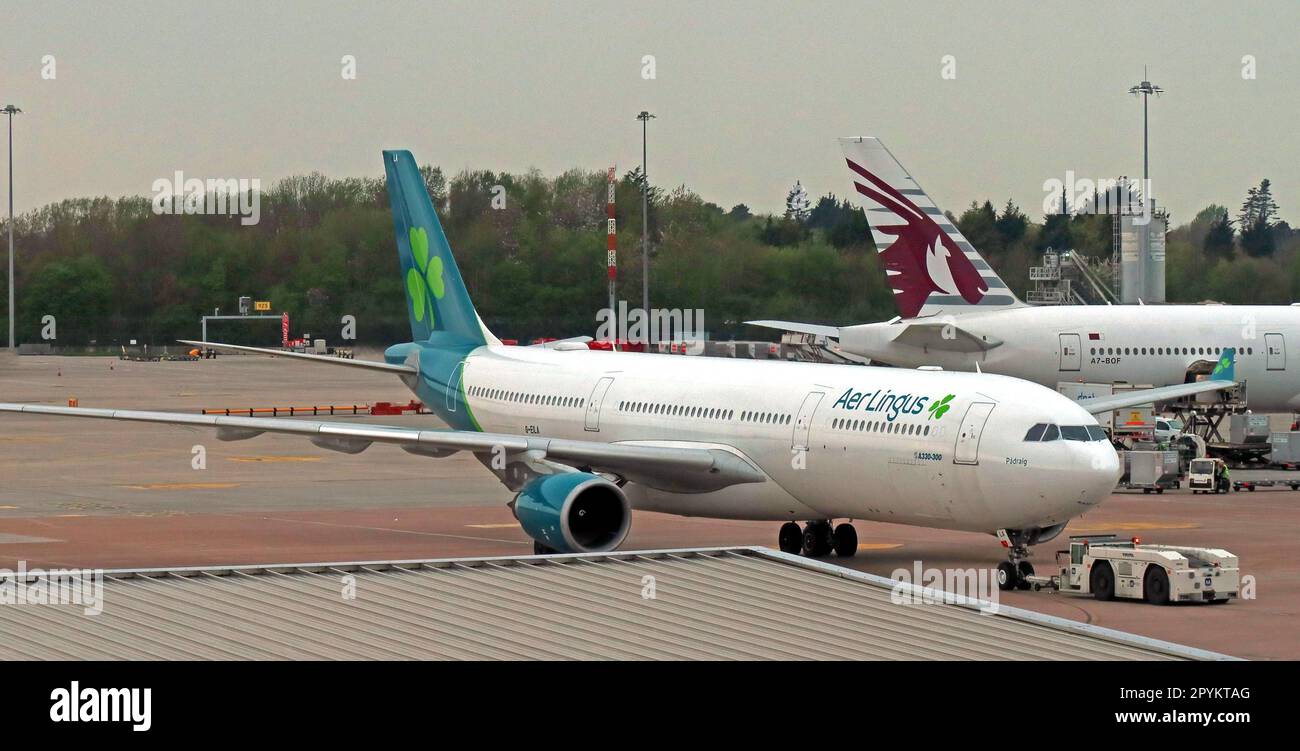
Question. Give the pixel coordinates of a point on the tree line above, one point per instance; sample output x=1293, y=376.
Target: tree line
x=532, y=251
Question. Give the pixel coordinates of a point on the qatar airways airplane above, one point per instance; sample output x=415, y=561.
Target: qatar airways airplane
x=956, y=313
x=583, y=436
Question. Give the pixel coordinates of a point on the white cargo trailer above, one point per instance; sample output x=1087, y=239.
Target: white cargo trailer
x=1151, y=470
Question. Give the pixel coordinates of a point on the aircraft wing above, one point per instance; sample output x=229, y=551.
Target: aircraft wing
x=678, y=469
x=328, y=359
x=799, y=328
x=944, y=335
x=1223, y=377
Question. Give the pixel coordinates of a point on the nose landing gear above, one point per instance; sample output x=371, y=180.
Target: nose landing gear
x=1014, y=573
x=818, y=538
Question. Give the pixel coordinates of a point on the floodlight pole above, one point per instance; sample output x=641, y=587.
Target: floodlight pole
x=11, y=110
x=645, y=118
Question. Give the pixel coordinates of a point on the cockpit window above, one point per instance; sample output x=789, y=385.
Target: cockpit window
x=1074, y=432
x=1048, y=432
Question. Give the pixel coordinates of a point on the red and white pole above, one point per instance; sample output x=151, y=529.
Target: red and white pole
x=611, y=256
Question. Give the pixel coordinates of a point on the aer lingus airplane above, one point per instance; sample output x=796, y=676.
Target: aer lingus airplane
x=955, y=312
x=583, y=436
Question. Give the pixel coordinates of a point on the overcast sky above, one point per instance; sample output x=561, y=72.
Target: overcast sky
x=749, y=96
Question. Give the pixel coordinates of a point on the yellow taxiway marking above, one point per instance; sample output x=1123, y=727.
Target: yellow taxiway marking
x=273, y=458
x=30, y=439
x=186, y=486
x=7, y=508
x=492, y=526
x=1133, y=526
x=879, y=545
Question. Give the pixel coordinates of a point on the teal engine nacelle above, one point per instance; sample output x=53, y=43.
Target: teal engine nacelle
x=574, y=512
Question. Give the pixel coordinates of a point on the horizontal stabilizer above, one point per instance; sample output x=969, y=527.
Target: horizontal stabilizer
x=799, y=328
x=330, y=359
x=945, y=336
x=563, y=343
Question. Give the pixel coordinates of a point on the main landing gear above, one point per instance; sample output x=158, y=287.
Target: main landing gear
x=818, y=538
x=1014, y=573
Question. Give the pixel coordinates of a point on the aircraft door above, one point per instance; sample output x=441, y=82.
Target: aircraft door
x=453, y=386
x=1275, y=346
x=967, y=450
x=594, y=402
x=1071, y=352
x=802, y=423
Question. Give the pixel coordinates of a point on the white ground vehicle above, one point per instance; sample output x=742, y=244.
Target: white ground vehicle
x=1108, y=567
x=1207, y=476
x=1167, y=429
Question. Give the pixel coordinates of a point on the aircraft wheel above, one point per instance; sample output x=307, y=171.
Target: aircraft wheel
x=845, y=540
x=1024, y=570
x=790, y=538
x=1006, y=576
x=1102, y=582
x=1155, y=586
x=540, y=549
x=817, y=539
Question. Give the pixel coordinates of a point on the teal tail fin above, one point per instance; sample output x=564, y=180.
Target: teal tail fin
x=437, y=302
x=1225, y=369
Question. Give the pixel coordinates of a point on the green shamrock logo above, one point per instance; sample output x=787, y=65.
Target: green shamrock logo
x=938, y=409
x=424, y=281
x=1224, y=364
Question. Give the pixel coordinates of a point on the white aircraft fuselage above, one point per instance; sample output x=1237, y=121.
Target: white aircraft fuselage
x=878, y=444
x=1137, y=344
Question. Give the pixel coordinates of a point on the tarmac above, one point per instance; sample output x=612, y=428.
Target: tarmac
x=98, y=494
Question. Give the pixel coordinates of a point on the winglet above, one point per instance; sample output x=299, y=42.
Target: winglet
x=1225, y=369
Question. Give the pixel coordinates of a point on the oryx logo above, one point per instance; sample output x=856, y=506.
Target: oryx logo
x=923, y=259
x=424, y=280
x=76, y=704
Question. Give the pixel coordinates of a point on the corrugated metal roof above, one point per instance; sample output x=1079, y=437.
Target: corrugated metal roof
x=730, y=603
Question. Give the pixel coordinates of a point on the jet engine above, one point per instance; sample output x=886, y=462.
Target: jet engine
x=574, y=512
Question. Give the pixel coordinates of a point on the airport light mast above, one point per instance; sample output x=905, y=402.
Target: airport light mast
x=1145, y=90
x=11, y=110
x=1140, y=245
x=645, y=118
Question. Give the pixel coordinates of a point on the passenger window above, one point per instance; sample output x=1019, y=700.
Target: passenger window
x=1051, y=434
x=1036, y=433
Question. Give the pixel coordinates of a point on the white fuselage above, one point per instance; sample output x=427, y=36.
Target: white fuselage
x=1138, y=344
x=874, y=449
